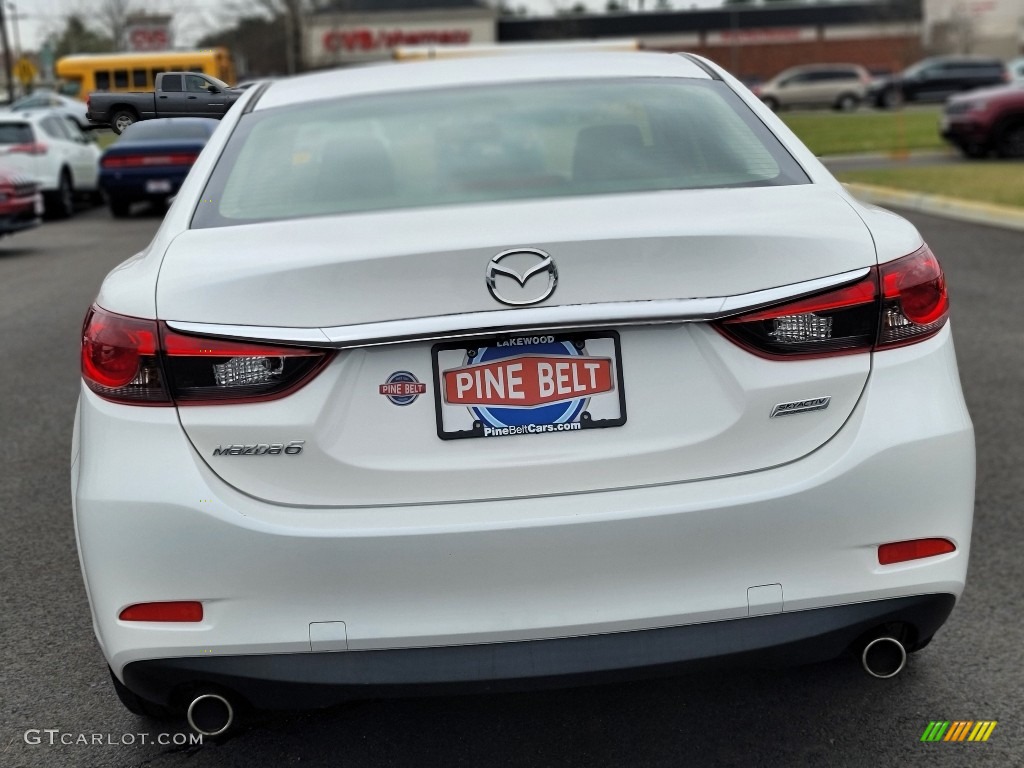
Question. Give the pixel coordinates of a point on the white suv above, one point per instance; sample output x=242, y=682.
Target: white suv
x=53, y=150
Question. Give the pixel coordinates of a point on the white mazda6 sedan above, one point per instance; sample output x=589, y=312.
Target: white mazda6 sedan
x=473, y=373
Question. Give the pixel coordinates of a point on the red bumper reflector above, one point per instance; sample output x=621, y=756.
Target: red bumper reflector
x=901, y=551
x=186, y=610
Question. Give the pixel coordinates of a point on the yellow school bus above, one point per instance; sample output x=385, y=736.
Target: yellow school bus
x=83, y=73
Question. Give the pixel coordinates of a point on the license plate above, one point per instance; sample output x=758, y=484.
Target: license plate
x=157, y=186
x=528, y=384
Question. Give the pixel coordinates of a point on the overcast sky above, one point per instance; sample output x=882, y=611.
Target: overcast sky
x=194, y=18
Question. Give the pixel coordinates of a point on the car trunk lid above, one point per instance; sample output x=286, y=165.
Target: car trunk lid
x=388, y=424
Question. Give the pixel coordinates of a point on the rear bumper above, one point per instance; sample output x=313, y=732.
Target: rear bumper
x=491, y=586
x=16, y=216
x=286, y=681
x=136, y=185
x=966, y=133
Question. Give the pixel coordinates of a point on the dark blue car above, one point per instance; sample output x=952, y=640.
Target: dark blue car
x=151, y=159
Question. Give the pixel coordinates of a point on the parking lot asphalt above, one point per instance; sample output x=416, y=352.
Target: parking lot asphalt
x=53, y=677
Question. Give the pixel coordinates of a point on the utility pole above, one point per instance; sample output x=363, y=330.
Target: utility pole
x=289, y=40
x=7, y=53
x=17, y=33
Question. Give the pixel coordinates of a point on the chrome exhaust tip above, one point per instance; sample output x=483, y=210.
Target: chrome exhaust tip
x=884, y=657
x=210, y=714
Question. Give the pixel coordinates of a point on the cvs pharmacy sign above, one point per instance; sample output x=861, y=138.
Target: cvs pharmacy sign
x=369, y=39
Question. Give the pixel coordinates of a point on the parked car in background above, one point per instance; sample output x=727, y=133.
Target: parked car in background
x=479, y=370
x=840, y=86
x=178, y=94
x=53, y=150
x=51, y=101
x=150, y=160
x=21, y=202
x=987, y=120
x=1016, y=70
x=936, y=79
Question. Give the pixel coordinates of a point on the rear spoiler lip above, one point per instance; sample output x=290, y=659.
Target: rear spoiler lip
x=571, y=317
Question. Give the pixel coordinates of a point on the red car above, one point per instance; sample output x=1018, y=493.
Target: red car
x=21, y=203
x=987, y=120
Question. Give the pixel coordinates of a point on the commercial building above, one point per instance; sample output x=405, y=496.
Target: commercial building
x=757, y=41
x=993, y=27
x=344, y=32
x=753, y=41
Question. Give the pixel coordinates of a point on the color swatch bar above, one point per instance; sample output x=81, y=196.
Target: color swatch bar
x=959, y=730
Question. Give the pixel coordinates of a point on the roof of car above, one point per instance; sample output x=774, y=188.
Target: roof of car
x=209, y=121
x=31, y=115
x=421, y=75
x=158, y=123
x=836, y=65
x=972, y=57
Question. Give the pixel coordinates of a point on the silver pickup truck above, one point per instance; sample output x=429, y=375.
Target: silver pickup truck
x=178, y=94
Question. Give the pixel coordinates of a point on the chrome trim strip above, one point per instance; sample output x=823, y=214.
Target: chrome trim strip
x=697, y=62
x=311, y=337
x=560, y=318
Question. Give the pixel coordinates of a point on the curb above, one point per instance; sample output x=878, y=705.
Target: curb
x=1005, y=216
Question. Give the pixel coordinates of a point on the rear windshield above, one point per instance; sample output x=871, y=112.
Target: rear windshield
x=479, y=144
x=15, y=133
x=171, y=129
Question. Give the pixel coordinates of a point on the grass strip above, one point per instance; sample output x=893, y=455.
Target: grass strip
x=104, y=137
x=839, y=133
x=998, y=182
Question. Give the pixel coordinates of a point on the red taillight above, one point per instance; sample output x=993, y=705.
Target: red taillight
x=178, y=611
x=915, y=304
x=204, y=370
x=145, y=161
x=857, y=294
x=120, y=358
x=898, y=303
x=131, y=360
x=31, y=148
x=902, y=551
x=837, y=322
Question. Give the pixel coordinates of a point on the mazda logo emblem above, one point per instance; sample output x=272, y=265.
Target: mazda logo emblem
x=522, y=266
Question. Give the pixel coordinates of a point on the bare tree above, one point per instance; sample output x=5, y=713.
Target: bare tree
x=76, y=37
x=961, y=28
x=112, y=18
x=289, y=13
